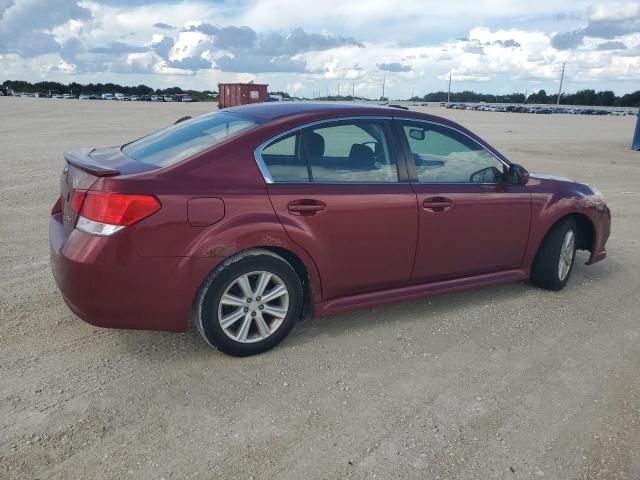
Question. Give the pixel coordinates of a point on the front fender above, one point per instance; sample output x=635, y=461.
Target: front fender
x=553, y=200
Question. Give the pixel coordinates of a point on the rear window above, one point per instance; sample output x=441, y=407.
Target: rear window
x=187, y=138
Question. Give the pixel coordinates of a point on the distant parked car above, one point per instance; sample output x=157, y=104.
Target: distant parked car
x=107, y=96
x=187, y=99
x=168, y=98
x=252, y=217
x=84, y=97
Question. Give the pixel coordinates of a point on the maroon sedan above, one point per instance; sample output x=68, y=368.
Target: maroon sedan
x=247, y=219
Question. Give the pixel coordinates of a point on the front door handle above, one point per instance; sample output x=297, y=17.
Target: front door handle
x=437, y=204
x=306, y=207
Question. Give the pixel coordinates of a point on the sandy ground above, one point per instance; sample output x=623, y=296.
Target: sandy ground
x=507, y=382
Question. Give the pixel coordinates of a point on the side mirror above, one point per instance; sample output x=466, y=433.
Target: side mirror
x=518, y=175
x=487, y=175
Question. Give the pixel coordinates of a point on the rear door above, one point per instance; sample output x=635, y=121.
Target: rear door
x=470, y=221
x=342, y=195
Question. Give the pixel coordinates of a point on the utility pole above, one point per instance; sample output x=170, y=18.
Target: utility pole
x=560, y=89
x=383, y=80
x=353, y=90
x=449, y=92
x=338, y=90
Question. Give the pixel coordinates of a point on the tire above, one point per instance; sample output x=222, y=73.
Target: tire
x=559, y=245
x=260, y=324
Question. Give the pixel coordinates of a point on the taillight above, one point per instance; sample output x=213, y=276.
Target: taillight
x=77, y=197
x=105, y=213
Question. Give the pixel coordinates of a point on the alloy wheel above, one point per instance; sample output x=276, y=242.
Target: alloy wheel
x=253, y=306
x=567, y=252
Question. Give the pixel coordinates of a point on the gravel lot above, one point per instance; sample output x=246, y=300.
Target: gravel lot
x=506, y=382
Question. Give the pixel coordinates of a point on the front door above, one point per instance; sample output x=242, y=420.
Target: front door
x=470, y=221
x=341, y=196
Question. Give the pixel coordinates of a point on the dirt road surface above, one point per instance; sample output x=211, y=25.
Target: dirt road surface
x=508, y=382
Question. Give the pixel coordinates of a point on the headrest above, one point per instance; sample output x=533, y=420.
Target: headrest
x=361, y=157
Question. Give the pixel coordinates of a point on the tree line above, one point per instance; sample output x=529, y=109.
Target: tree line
x=605, y=98
x=75, y=88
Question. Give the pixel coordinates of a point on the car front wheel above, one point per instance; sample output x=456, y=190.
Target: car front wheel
x=250, y=304
x=554, y=262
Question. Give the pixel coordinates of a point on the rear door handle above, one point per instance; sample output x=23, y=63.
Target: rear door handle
x=437, y=204
x=306, y=207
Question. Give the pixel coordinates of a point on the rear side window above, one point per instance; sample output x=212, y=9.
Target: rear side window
x=349, y=152
x=187, y=138
x=283, y=161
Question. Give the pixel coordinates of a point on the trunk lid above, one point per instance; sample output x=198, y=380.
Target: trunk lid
x=83, y=169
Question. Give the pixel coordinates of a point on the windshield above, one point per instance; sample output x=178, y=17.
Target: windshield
x=187, y=138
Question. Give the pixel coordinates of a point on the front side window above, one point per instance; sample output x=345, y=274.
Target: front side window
x=444, y=155
x=177, y=142
x=350, y=152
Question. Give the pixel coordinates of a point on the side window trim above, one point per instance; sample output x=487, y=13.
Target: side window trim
x=395, y=149
x=302, y=152
x=408, y=156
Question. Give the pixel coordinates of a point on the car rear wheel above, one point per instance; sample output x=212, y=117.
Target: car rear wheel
x=250, y=303
x=554, y=262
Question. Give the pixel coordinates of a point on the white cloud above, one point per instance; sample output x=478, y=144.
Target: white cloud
x=613, y=11
x=411, y=45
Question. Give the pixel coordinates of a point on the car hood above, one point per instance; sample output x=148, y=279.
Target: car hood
x=544, y=176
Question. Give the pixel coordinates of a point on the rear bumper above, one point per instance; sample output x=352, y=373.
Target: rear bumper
x=107, y=284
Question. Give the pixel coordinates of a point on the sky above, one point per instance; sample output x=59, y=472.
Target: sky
x=311, y=47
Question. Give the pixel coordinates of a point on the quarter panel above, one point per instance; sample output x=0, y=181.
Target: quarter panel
x=228, y=173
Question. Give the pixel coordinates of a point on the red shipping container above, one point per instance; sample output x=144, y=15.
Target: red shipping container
x=233, y=94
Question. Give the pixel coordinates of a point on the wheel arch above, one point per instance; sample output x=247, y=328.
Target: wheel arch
x=585, y=230
x=310, y=285
x=303, y=274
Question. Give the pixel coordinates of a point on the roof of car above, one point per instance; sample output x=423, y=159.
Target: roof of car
x=310, y=110
x=272, y=110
